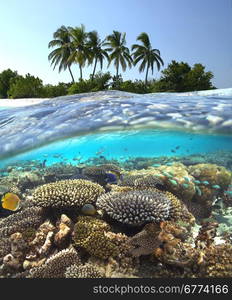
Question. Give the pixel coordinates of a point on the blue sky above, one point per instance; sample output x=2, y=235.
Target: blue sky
x=193, y=31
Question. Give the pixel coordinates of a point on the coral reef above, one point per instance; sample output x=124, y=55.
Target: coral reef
x=85, y=271
x=212, y=174
x=67, y=194
x=91, y=234
x=56, y=265
x=140, y=207
x=30, y=217
x=144, y=242
x=130, y=218
x=139, y=181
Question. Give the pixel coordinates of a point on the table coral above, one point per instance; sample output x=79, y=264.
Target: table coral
x=67, y=194
x=141, y=206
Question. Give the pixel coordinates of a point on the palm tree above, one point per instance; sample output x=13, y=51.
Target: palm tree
x=97, y=52
x=60, y=55
x=80, y=52
x=146, y=54
x=120, y=54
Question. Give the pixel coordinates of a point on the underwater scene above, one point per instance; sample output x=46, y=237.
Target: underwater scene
x=117, y=185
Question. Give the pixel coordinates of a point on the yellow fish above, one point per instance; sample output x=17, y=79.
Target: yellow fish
x=10, y=201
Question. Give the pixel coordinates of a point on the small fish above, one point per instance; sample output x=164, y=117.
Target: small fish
x=198, y=190
x=205, y=182
x=173, y=151
x=100, y=151
x=228, y=193
x=216, y=187
x=88, y=209
x=111, y=178
x=43, y=163
x=167, y=174
x=169, y=164
x=197, y=181
x=177, y=147
x=187, y=179
x=156, y=165
x=173, y=182
x=185, y=185
x=10, y=201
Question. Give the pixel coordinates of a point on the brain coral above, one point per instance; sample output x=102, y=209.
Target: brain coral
x=139, y=207
x=67, y=193
x=56, y=265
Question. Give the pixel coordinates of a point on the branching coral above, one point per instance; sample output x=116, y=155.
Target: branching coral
x=30, y=217
x=56, y=265
x=85, y=271
x=67, y=194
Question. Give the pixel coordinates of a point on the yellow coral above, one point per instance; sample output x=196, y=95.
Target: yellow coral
x=91, y=234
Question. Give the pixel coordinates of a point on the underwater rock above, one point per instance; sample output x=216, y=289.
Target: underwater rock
x=17, y=252
x=64, y=226
x=67, y=194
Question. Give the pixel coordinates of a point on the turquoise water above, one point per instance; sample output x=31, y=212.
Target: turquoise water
x=121, y=145
x=117, y=125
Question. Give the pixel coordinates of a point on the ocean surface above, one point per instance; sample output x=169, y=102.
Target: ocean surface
x=117, y=125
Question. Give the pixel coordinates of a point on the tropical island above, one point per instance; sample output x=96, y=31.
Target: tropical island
x=74, y=46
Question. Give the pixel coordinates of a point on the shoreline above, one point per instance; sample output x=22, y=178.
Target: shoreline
x=21, y=102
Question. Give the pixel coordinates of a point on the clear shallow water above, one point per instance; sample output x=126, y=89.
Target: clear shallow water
x=117, y=125
x=122, y=145
x=178, y=143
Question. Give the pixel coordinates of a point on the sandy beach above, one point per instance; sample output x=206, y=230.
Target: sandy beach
x=21, y=102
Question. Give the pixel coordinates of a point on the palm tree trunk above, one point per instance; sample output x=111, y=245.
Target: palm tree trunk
x=71, y=74
x=94, y=69
x=117, y=68
x=80, y=71
x=146, y=73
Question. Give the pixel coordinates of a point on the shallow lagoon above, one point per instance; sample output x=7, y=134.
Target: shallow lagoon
x=150, y=147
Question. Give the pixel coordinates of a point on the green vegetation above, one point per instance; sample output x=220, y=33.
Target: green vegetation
x=180, y=77
x=7, y=77
x=146, y=54
x=73, y=45
x=26, y=87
